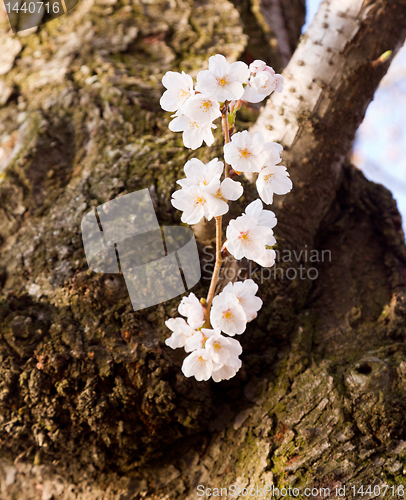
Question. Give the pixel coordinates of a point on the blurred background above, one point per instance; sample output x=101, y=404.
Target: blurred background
x=380, y=146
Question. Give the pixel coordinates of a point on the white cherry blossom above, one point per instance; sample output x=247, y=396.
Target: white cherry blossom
x=180, y=89
x=273, y=152
x=192, y=309
x=245, y=292
x=198, y=339
x=198, y=364
x=261, y=86
x=267, y=259
x=192, y=202
x=227, y=314
x=263, y=81
x=200, y=174
x=194, y=133
x=245, y=153
x=245, y=238
x=202, y=108
x=273, y=180
x=257, y=66
x=197, y=202
x=263, y=217
x=208, y=198
x=251, y=234
x=223, y=81
x=229, y=190
x=227, y=371
x=181, y=332
x=222, y=348
x=250, y=92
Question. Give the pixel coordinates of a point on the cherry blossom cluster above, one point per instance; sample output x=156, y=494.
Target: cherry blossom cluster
x=205, y=192
x=202, y=193
x=213, y=354
x=246, y=153
x=195, y=110
x=251, y=235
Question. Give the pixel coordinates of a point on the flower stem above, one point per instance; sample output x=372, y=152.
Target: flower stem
x=226, y=133
x=216, y=271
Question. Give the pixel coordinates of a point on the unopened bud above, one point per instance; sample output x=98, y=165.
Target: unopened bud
x=233, y=173
x=381, y=59
x=224, y=251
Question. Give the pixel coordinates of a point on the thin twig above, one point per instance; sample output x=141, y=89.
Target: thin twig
x=226, y=133
x=216, y=271
x=217, y=265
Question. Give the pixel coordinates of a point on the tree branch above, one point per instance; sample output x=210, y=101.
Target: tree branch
x=330, y=81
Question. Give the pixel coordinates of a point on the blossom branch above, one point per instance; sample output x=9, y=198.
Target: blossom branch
x=220, y=92
x=226, y=133
x=219, y=243
x=216, y=271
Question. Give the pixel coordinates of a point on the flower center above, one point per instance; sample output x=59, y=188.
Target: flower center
x=217, y=346
x=228, y=315
x=269, y=177
x=205, y=106
x=223, y=81
x=245, y=237
x=201, y=360
x=198, y=200
x=193, y=125
x=183, y=93
x=219, y=195
x=244, y=153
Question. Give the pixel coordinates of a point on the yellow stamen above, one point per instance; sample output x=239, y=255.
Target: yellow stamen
x=223, y=81
x=228, y=315
x=269, y=177
x=217, y=346
x=205, y=106
x=219, y=195
x=182, y=93
x=244, y=153
x=245, y=237
x=193, y=124
x=198, y=200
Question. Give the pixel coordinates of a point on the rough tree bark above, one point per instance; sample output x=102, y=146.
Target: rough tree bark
x=92, y=404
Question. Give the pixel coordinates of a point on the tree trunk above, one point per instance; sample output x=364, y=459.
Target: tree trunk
x=92, y=403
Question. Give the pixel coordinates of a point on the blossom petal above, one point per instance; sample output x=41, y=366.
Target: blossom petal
x=239, y=71
x=231, y=190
